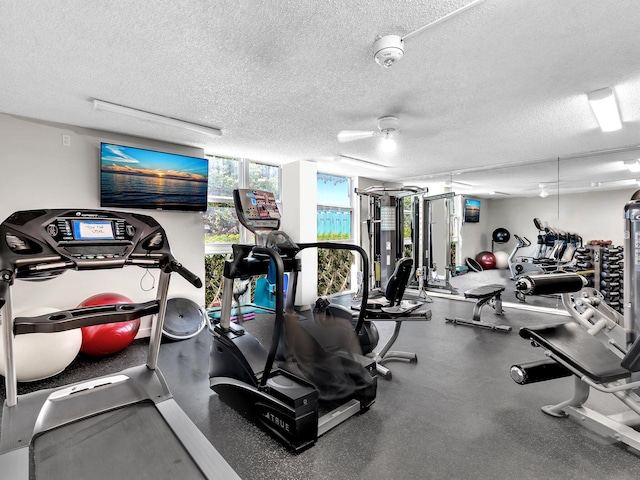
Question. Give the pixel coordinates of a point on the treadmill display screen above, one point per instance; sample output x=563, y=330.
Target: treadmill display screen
x=92, y=230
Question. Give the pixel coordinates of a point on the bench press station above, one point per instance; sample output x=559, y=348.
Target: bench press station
x=486, y=294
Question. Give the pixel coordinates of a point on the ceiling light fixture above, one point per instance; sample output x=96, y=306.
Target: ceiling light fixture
x=604, y=106
x=154, y=118
x=388, y=49
x=388, y=143
x=356, y=162
x=632, y=165
x=543, y=193
x=457, y=185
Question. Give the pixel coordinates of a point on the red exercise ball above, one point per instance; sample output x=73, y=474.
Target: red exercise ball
x=486, y=259
x=110, y=337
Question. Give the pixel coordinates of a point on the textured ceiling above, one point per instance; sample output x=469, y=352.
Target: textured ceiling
x=502, y=83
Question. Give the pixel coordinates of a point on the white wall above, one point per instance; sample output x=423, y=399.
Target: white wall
x=37, y=171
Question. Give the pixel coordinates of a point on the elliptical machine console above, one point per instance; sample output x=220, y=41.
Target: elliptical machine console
x=245, y=375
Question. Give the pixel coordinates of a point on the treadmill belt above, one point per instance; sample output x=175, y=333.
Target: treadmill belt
x=132, y=442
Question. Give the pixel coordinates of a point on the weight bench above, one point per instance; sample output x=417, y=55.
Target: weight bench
x=487, y=294
x=593, y=366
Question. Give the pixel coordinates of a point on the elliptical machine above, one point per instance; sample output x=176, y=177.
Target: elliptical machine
x=284, y=398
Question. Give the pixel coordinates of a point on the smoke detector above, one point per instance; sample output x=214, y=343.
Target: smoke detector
x=388, y=50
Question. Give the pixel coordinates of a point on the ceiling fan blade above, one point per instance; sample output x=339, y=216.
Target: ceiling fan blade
x=351, y=135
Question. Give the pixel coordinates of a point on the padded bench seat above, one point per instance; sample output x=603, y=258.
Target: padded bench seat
x=484, y=291
x=485, y=294
x=571, y=343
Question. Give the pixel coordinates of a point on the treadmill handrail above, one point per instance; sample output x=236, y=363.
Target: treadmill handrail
x=170, y=264
x=60, y=321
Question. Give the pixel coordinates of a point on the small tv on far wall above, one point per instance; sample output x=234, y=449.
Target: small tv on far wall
x=137, y=178
x=471, y=210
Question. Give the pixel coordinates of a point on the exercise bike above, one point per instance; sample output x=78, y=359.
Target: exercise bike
x=555, y=250
x=285, y=397
x=528, y=265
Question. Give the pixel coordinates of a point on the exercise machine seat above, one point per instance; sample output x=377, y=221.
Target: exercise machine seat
x=484, y=291
x=398, y=281
x=398, y=310
x=571, y=343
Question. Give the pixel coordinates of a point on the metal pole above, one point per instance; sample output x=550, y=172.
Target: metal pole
x=11, y=383
x=157, y=322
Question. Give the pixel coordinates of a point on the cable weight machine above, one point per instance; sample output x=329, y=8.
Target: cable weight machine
x=429, y=257
x=385, y=229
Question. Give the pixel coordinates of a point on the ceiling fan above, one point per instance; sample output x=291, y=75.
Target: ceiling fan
x=387, y=128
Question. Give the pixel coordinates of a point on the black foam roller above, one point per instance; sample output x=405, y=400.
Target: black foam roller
x=538, y=371
x=549, y=283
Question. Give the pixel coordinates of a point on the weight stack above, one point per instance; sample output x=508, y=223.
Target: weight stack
x=610, y=271
x=632, y=265
x=585, y=258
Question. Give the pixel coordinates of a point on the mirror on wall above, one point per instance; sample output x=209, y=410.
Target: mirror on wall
x=540, y=208
x=460, y=228
x=579, y=197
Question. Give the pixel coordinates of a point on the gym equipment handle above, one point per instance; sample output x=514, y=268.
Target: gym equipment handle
x=84, y=317
x=188, y=275
x=524, y=242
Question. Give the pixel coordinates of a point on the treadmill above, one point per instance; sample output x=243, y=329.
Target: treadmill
x=125, y=425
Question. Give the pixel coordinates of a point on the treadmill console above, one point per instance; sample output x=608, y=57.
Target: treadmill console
x=257, y=210
x=39, y=242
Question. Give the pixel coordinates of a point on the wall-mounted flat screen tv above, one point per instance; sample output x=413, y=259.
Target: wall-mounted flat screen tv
x=471, y=210
x=138, y=178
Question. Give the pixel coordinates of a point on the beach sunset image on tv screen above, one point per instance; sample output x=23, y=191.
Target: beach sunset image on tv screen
x=137, y=178
x=471, y=210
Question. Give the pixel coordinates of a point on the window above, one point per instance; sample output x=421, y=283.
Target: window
x=223, y=176
x=334, y=218
x=334, y=208
x=264, y=177
x=221, y=226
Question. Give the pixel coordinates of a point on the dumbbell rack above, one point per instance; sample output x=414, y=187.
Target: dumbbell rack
x=607, y=277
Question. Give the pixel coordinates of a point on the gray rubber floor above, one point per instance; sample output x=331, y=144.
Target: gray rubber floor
x=456, y=414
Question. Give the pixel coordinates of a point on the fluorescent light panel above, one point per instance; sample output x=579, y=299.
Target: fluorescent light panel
x=356, y=162
x=154, y=118
x=632, y=165
x=604, y=106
